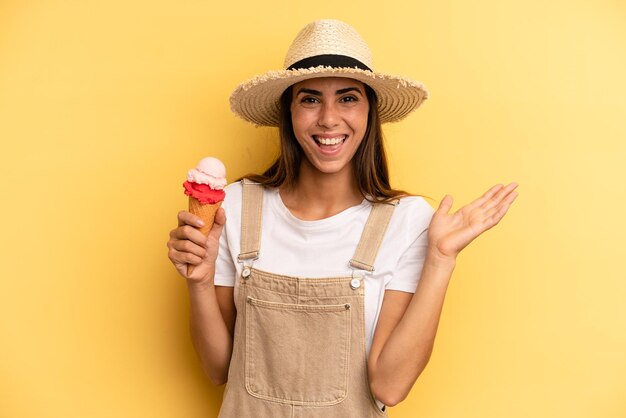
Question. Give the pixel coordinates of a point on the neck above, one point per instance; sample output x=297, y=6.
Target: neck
x=320, y=195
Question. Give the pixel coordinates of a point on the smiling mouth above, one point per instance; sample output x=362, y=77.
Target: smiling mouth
x=330, y=141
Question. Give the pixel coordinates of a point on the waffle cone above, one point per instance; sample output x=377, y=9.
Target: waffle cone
x=206, y=212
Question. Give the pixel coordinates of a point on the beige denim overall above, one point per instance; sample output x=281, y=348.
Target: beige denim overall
x=299, y=346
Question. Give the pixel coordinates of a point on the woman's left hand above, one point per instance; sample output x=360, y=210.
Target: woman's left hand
x=448, y=233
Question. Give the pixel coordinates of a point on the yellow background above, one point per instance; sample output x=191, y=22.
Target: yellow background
x=105, y=105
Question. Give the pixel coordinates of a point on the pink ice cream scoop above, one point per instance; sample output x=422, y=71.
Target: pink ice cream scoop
x=206, y=181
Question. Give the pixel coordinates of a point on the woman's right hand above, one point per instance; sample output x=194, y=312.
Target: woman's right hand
x=188, y=246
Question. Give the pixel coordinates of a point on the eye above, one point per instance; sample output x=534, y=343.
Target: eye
x=349, y=99
x=309, y=100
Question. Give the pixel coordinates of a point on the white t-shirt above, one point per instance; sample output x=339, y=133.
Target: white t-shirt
x=323, y=248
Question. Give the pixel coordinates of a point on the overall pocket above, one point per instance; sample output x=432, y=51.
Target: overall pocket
x=297, y=354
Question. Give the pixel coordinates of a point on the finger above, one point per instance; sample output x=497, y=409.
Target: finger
x=187, y=232
x=218, y=225
x=188, y=218
x=497, y=217
x=220, y=216
x=507, y=200
x=510, y=197
x=445, y=204
x=181, y=258
x=498, y=197
x=495, y=214
x=186, y=246
x=505, y=191
x=485, y=197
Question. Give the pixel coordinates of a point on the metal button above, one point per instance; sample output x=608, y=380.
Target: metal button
x=347, y=306
x=245, y=273
x=355, y=283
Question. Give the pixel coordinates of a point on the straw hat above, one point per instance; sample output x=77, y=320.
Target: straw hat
x=325, y=48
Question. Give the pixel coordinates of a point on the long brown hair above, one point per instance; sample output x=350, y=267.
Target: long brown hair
x=370, y=160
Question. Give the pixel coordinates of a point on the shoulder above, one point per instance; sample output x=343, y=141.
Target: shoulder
x=411, y=216
x=415, y=207
x=233, y=189
x=234, y=196
x=236, y=188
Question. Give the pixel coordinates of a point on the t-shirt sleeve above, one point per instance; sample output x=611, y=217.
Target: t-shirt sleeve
x=225, y=271
x=409, y=268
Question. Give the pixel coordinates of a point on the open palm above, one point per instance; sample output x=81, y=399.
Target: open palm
x=449, y=233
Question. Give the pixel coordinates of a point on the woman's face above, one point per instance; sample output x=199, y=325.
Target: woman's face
x=329, y=117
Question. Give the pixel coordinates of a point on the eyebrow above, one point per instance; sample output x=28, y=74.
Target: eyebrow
x=338, y=92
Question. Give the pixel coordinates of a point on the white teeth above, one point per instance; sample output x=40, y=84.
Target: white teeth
x=330, y=141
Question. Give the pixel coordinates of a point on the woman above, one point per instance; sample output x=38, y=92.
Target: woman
x=321, y=295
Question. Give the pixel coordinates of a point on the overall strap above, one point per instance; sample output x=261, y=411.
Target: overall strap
x=372, y=235
x=251, y=212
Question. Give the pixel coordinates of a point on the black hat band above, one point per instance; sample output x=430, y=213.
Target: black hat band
x=329, y=60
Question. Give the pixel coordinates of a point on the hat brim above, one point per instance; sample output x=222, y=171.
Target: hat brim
x=257, y=100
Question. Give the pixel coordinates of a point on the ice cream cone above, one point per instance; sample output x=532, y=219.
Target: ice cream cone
x=207, y=214
x=205, y=188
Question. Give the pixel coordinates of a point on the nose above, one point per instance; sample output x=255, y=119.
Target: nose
x=328, y=116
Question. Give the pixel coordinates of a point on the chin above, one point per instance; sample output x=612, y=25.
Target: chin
x=331, y=168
